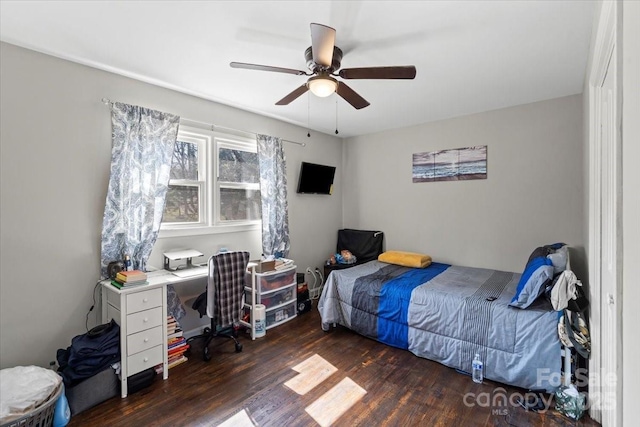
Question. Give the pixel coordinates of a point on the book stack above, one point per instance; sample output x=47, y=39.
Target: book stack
x=173, y=328
x=176, y=343
x=129, y=278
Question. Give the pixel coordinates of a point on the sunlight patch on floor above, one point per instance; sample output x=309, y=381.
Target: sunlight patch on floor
x=241, y=419
x=331, y=405
x=312, y=372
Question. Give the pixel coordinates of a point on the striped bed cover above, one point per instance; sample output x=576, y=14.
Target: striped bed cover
x=447, y=314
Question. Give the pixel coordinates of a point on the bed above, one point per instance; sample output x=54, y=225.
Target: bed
x=448, y=313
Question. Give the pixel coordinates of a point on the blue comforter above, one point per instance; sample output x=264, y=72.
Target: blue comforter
x=385, y=295
x=447, y=314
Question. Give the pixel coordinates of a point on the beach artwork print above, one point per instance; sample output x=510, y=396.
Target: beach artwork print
x=457, y=164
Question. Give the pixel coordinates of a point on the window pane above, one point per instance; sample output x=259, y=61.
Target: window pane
x=239, y=204
x=184, y=164
x=181, y=204
x=238, y=166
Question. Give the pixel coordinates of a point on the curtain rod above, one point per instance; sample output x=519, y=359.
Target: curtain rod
x=107, y=101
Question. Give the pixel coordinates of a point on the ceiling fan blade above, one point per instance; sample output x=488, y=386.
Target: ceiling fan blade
x=323, y=39
x=402, y=72
x=267, y=68
x=293, y=95
x=351, y=96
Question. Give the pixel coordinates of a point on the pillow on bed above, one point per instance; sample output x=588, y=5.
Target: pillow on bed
x=560, y=260
x=544, y=251
x=406, y=259
x=536, y=275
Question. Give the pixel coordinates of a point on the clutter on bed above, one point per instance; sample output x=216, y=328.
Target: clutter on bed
x=344, y=257
x=568, y=298
x=406, y=259
x=543, y=267
x=549, y=272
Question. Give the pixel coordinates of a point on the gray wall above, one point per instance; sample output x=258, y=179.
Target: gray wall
x=55, y=153
x=532, y=195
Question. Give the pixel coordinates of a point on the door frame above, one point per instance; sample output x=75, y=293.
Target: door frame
x=604, y=49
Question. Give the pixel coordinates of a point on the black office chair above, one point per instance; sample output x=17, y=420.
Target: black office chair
x=223, y=299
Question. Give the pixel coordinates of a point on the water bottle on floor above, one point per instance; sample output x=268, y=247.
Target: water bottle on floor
x=477, y=369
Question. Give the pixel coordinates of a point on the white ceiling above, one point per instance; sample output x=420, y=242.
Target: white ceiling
x=471, y=56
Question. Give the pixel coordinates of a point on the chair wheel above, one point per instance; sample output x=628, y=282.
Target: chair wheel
x=238, y=347
x=206, y=331
x=206, y=356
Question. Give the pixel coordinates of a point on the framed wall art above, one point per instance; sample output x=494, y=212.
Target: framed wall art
x=458, y=164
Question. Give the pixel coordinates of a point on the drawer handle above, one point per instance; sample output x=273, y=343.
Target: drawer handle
x=146, y=359
x=146, y=340
x=145, y=320
x=145, y=300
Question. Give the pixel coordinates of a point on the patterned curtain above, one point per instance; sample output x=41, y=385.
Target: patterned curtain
x=273, y=191
x=142, y=148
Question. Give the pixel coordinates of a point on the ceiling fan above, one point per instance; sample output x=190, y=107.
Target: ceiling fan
x=323, y=60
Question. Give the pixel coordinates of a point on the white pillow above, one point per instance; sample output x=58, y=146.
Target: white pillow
x=560, y=260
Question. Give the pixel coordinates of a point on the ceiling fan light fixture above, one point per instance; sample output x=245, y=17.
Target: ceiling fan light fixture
x=322, y=86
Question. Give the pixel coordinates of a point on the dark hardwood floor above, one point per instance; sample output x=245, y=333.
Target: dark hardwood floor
x=402, y=389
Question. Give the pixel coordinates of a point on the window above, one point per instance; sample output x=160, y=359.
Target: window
x=214, y=184
x=238, y=182
x=184, y=203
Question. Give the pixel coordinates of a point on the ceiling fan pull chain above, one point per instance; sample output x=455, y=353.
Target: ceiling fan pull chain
x=308, y=115
x=336, y=96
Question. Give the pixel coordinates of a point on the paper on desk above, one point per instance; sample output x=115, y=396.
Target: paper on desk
x=190, y=272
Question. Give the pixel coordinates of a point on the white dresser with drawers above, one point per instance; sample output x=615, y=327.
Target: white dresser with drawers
x=141, y=312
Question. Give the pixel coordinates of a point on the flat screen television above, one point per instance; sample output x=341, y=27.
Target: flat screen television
x=316, y=179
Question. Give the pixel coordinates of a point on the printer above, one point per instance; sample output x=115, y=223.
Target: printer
x=181, y=260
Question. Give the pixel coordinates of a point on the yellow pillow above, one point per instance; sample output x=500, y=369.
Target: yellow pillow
x=406, y=259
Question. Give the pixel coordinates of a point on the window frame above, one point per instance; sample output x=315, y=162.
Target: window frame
x=224, y=142
x=202, y=142
x=210, y=143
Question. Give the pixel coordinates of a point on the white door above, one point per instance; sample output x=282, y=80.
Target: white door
x=610, y=332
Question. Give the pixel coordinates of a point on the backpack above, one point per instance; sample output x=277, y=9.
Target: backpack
x=574, y=332
x=567, y=297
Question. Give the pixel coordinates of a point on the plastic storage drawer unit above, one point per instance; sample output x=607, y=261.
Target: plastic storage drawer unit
x=281, y=315
x=270, y=281
x=276, y=290
x=273, y=299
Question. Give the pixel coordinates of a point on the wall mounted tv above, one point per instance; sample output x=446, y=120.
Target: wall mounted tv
x=316, y=179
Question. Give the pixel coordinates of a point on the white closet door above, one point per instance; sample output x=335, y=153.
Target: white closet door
x=611, y=333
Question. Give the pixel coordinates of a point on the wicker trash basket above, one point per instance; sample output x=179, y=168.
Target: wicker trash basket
x=42, y=416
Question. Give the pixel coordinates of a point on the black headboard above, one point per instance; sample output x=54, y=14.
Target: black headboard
x=366, y=245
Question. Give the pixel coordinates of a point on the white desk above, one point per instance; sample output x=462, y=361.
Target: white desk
x=141, y=312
